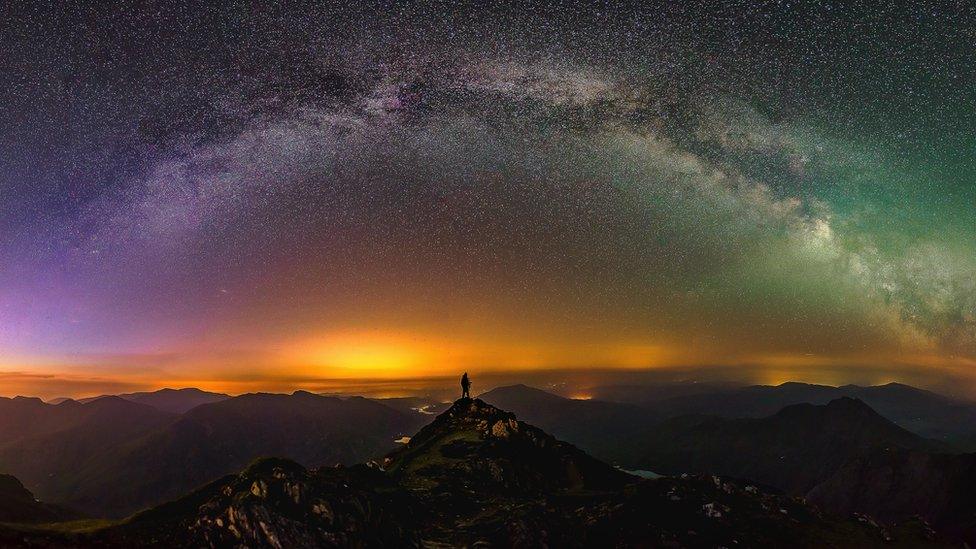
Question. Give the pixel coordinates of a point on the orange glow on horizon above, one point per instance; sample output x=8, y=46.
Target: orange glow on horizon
x=396, y=354
x=393, y=362
x=357, y=354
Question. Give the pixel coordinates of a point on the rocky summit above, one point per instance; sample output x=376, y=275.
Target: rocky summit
x=476, y=448
x=279, y=503
x=476, y=477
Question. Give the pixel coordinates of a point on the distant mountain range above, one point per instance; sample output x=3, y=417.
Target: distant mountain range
x=842, y=454
x=793, y=450
x=606, y=429
x=175, y=401
x=112, y=456
x=922, y=412
x=53, y=448
x=475, y=477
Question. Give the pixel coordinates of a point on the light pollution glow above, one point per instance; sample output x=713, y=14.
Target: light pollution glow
x=481, y=201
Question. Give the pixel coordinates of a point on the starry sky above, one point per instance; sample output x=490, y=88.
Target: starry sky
x=246, y=196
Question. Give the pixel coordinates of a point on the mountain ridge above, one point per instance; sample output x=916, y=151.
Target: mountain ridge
x=501, y=451
x=792, y=450
x=175, y=401
x=18, y=504
x=477, y=494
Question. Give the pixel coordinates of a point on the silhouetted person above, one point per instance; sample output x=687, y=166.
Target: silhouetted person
x=465, y=386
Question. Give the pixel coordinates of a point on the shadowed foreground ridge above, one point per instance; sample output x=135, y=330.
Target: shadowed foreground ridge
x=17, y=504
x=112, y=457
x=475, y=476
x=474, y=446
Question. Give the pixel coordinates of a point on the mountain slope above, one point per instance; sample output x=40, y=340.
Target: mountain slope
x=894, y=484
x=751, y=401
x=649, y=393
x=279, y=503
x=17, y=504
x=491, y=450
x=22, y=417
x=476, y=477
x=922, y=412
x=215, y=439
x=793, y=450
x=603, y=429
x=928, y=414
x=49, y=446
x=176, y=401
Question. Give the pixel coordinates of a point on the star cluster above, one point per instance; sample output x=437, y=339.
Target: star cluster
x=238, y=194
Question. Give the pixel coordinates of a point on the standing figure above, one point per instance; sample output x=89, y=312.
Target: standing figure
x=465, y=386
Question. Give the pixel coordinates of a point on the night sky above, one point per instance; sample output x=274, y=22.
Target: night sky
x=250, y=197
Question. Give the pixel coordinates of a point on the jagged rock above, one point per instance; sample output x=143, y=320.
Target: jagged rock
x=478, y=477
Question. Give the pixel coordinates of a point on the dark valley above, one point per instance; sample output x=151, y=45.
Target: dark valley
x=836, y=474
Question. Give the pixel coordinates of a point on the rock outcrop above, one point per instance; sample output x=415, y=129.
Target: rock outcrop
x=478, y=477
x=487, y=450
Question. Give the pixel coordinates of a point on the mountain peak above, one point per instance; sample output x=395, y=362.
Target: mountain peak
x=520, y=394
x=852, y=406
x=11, y=487
x=467, y=414
x=787, y=384
x=474, y=446
x=842, y=407
x=474, y=408
x=173, y=392
x=276, y=502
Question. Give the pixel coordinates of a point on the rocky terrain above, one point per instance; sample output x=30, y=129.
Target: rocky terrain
x=476, y=476
x=113, y=456
x=604, y=429
x=893, y=484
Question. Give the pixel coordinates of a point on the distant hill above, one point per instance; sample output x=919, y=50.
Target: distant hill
x=922, y=412
x=214, y=439
x=605, y=429
x=925, y=413
x=478, y=477
x=176, y=401
x=644, y=394
x=480, y=474
x=111, y=456
x=628, y=434
x=414, y=405
x=22, y=417
x=792, y=450
x=497, y=453
x=278, y=503
x=49, y=446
